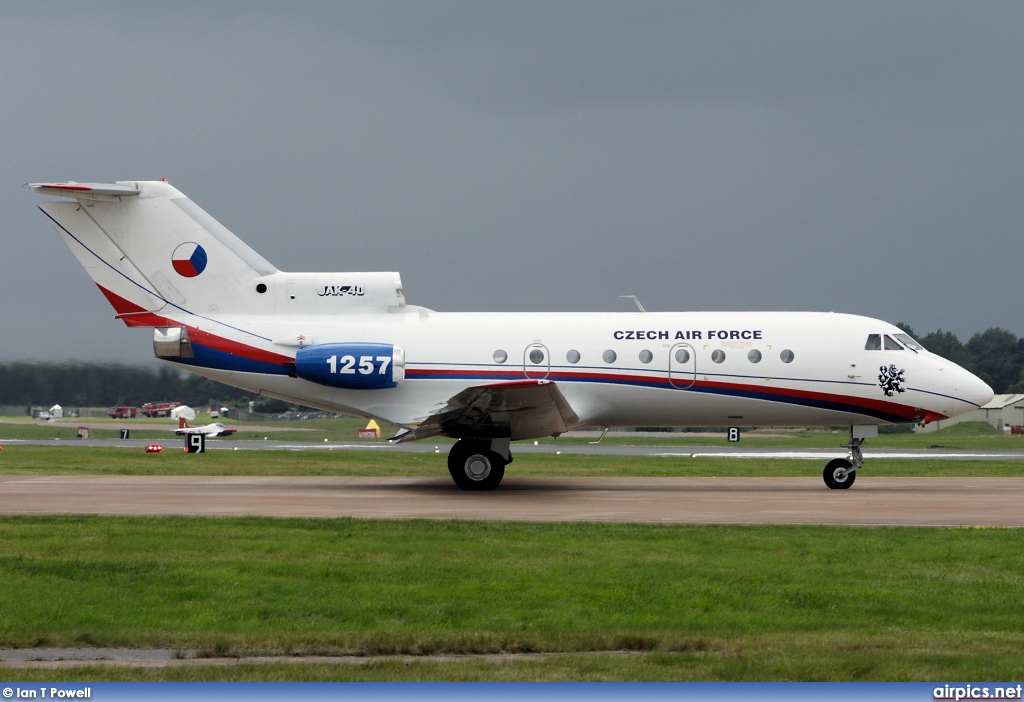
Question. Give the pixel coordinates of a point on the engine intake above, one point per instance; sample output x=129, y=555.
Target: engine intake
x=352, y=366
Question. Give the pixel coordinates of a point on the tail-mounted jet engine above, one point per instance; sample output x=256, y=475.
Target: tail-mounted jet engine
x=172, y=343
x=352, y=366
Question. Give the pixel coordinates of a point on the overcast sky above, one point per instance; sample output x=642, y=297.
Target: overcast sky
x=857, y=157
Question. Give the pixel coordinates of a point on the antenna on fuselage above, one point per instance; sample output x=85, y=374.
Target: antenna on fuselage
x=633, y=298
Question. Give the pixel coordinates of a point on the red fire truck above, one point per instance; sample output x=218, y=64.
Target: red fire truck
x=122, y=412
x=159, y=409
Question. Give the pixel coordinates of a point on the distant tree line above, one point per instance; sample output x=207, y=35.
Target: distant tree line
x=995, y=355
x=105, y=385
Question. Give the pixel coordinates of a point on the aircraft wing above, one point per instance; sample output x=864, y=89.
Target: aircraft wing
x=521, y=409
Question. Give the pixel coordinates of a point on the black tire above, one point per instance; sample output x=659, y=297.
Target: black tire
x=474, y=466
x=834, y=470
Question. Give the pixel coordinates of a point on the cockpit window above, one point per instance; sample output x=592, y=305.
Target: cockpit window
x=874, y=342
x=909, y=342
x=891, y=344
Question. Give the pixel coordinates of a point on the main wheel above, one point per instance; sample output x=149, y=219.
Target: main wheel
x=836, y=475
x=474, y=466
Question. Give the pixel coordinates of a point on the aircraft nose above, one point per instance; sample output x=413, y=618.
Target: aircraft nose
x=977, y=390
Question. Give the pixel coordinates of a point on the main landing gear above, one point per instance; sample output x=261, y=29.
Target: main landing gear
x=479, y=465
x=840, y=473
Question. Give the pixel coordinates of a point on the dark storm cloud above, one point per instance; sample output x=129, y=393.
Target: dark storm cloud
x=858, y=157
x=556, y=55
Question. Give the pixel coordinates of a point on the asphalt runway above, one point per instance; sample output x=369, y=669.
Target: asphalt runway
x=729, y=451
x=871, y=501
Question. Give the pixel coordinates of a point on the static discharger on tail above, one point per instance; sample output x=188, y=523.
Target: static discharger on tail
x=349, y=342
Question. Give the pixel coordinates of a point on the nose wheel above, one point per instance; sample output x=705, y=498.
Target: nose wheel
x=840, y=473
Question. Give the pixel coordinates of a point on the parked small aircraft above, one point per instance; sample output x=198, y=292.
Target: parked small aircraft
x=349, y=342
x=209, y=430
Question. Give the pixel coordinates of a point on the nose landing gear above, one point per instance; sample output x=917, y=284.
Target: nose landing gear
x=840, y=473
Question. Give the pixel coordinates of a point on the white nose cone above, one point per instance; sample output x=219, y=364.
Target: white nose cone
x=979, y=391
x=956, y=391
x=971, y=390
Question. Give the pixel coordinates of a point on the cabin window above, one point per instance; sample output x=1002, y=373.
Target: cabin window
x=682, y=356
x=891, y=344
x=646, y=356
x=909, y=342
x=786, y=356
x=718, y=355
x=536, y=356
x=609, y=356
x=573, y=356
x=754, y=356
x=500, y=356
x=874, y=342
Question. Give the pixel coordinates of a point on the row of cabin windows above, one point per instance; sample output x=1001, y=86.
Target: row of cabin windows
x=877, y=342
x=536, y=356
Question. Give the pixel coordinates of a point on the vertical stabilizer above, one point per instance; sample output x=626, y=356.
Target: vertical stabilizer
x=151, y=249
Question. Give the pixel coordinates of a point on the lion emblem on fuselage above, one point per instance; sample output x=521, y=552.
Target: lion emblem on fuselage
x=890, y=379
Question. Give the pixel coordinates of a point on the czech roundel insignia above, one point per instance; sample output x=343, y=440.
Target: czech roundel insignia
x=189, y=259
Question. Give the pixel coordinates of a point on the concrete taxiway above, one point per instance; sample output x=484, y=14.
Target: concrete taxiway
x=871, y=501
x=60, y=658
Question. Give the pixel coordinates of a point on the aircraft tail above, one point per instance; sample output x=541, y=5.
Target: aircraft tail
x=147, y=247
x=154, y=253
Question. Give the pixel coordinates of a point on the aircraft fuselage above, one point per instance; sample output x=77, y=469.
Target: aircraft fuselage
x=625, y=369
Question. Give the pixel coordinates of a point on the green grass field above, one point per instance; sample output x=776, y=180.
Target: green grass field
x=701, y=602
x=68, y=459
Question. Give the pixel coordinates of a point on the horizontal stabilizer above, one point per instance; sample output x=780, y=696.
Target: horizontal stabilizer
x=88, y=191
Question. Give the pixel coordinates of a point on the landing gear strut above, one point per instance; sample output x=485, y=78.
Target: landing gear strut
x=478, y=465
x=840, y=473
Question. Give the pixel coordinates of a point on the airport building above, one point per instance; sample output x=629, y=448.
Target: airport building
x=1000, y=412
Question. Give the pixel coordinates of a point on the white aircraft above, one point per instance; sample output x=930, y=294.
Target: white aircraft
x=210, y=431
x=349, y=342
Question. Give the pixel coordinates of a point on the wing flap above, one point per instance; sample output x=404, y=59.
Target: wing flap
x=522, y=409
